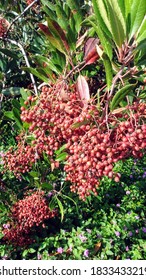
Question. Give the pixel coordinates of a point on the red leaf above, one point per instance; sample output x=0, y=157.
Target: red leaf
x=83, y=89
x=90, y=51
x=45, y=29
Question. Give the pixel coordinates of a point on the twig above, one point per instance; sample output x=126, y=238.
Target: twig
x=26, y=60
x=75, y=68
x=115, y=79
x=19, y=16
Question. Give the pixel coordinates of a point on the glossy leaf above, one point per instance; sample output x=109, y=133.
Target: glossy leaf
x=12, y=91
x=142, y=31
x=102, y=16
x=104, y=40
x=108, y=70
x=36, y=73
x=58, y=152
x=137, y=13
x=9, y=115
x=90, y=51
x=52, y=39
x=83, y=89
x=58, y=32
x=17, y=119
x=61, y=157
x=60, y=207
x=120, y=95
x=46, y=186
x=117, y=22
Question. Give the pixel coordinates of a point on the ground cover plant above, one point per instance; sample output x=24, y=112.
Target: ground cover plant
x=73, y=130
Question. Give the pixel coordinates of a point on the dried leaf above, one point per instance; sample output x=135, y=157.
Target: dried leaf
x=83, y=89
x=97, y=247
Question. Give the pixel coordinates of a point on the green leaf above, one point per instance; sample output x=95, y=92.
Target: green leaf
x=108, y=70
x=61, y=208
x=76, y=13
x=67, y=197
x=141, y=35
x=120, y=94
x=17, y=119
x=12, y=91
x=137, y=13
x=34, y=174
x=49, y=64
x=79, y=124
x=52, y=203
x=117, y=22
x=58, y=32
x=63, y=147
x=25, y=93
x=16, y=104
x=48, y=4
x=47, y=186
x=105, y=42
x=9, y=53
x=36, y=73
x=61, y=157
x=9, y=114
x=102, y=16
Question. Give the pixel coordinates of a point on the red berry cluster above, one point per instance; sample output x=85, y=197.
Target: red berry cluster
x=27, y=214
x=94, y=154
x=94, y=142
x=4, y=24
x=50, y=122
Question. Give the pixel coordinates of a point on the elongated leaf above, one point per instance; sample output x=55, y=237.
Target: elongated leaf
x=55, y=42
x=9, y=53
x=117, y=22
x=108, y=70
x=142, y=31
x=90, y=51
x=105, y=42
x=76, y=13
x=12, y=91
x=83, y=89
x=58, y=32
x=16, y=104
x=61, y=157
x=48, y=4
x=120, y=95
x=67, y=197
x=102, y=16
x=63, y=147
x=36, y=73
x=17, y=119
x=61, y=17
x=9, y=115
x=61, y=208
x=137, y=13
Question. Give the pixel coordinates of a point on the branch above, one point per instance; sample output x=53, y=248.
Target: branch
x=19, y=16
x=115, y=79
x=26, y=60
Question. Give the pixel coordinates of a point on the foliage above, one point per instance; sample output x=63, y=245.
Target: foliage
x=115, y=230
x=72, y=106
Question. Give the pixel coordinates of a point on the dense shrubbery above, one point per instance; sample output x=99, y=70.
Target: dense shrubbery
x=73, y=131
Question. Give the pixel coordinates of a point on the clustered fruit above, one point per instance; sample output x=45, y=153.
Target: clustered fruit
x=94, y=141
x=4, y=24
x=26, y=215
